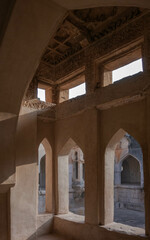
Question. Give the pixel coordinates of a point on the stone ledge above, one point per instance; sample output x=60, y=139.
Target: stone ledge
x=127, y=90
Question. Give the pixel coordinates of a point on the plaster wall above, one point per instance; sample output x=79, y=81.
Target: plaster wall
x=130, y=197
x=23, y=195
x=124, y=117
x=25, y=221
x=7, y=151
x=7, y=173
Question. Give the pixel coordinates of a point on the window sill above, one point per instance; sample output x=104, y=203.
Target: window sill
x=128, y=186
x=125, y=229
x=72, y=217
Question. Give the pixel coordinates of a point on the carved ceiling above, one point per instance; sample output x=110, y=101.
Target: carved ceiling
x=80, y=28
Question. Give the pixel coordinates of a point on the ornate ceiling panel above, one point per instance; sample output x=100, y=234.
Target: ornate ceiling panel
x=80, y=28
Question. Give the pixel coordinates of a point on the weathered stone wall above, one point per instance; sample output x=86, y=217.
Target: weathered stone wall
x=129, y=197
x=127, y=194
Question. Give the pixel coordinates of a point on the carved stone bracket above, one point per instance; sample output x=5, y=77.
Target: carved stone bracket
x=37, y=104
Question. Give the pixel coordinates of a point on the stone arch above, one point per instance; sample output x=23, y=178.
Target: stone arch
x=70, y=143
x=109, y=175
x=128, y=179
x=48, y=175
x=63, y=175
x=42, y=172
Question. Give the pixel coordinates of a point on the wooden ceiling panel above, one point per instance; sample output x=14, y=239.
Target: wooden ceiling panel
x=82, y=27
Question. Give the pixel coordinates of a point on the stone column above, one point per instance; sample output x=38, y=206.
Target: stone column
x=63, y=185
x=99, y=69
x=94, y=74
x=117, y=176
x=55, y=94
x=48, y=94
x=90, y=77
x=91, y=170
x=107, y=77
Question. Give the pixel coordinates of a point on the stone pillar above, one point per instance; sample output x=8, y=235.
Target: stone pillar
x=31, y=93
x=107, y=77
x=55, y=94
x=48, y=94
x=117, y=180
x=91, y=170
x=63, y=185
x=90, y=77
x=99, y=68
x=94, y=74
x=80, y=171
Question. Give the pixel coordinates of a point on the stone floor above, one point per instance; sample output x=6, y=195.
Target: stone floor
x=51, y=237
x=124, y=216
x=129, y=217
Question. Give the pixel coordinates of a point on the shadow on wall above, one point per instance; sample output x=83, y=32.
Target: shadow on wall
x=44, y=228
x=26, y=189
x=7, y=151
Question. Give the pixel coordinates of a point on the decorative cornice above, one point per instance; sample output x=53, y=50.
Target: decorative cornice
x=37, y=104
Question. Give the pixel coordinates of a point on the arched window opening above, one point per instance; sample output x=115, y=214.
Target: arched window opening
x=71, y=184
x=126, y=196
x=76, y=169
x=45, y=177
x=130, y=172
x=76, y=165
x=41, y=188
x=42, y=174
